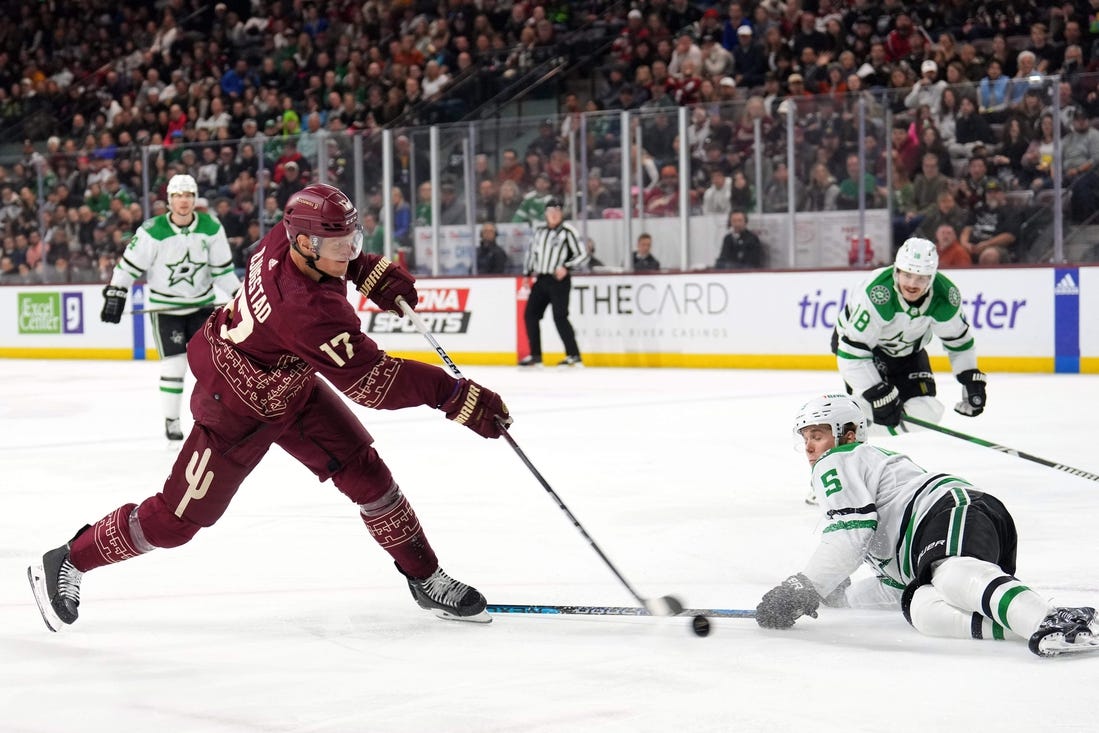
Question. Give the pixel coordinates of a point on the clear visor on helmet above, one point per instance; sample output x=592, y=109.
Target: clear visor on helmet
x=797, y=439
x=801, y=437
x=343, y=248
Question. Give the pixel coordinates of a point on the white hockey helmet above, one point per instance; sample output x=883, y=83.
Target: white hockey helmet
x=835, y=410
x=918, y=256
x=182, y=183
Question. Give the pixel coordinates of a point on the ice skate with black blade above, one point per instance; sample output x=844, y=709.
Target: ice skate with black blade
x=1066, y=631
x=448, y=598
x=56, y=587
x=530, y=361
x=172, y=428
x=570, y=361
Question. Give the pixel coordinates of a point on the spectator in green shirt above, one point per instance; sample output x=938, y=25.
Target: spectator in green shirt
x=422, y=215
x=373, y=234
x=98, y=200
x=849, y=188
x=533, y=207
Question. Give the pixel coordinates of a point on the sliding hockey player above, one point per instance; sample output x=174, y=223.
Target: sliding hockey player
x=943, y=552
x=256, y=363
x=184, y=254
x=880, y=337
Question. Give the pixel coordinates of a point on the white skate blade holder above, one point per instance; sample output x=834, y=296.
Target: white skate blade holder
x=478, y=618
x=1055, y=645
x=36, y=575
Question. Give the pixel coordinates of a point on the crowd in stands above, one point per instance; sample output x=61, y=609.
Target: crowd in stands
x=252, y=97
x=973, y=89
x=240, y=94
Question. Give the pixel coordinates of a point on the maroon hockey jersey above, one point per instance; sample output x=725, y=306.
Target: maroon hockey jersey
x=261, y=352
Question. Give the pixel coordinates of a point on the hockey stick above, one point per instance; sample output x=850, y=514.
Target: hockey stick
x=613, y=611
x=663, y=606
x=1002, y=448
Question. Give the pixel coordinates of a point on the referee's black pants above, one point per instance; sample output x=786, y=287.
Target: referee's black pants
x=548, y=290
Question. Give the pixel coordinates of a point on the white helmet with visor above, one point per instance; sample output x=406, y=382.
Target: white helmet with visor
x=182, y=183
x=838, y=411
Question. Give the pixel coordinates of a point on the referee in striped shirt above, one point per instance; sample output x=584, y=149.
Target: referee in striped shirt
x=555, y=250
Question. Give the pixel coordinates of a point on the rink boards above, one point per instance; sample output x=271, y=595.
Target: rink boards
x=1024, y=319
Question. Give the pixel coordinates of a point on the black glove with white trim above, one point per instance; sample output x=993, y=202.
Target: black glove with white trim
x=885, y=401
x=973, y=393
x=787, y=602
x=113, y=304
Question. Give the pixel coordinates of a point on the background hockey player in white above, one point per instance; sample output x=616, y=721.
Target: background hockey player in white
x=880, y=337
x=943, y=552
x=183, y=254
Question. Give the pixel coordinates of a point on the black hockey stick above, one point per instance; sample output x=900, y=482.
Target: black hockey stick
x=1002, y=448
x=502, y=608
x=663, y=606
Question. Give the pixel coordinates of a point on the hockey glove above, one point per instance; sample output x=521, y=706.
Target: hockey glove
x=973, y=393
x=113, y=304
x=478, y=408
x=383, y=281
x=787, y=602
x=885, y=401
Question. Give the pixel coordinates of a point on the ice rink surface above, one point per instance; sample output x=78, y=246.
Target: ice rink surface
x=285, y=617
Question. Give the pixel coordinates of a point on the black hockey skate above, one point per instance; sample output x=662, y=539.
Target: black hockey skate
x=56, y=586
x=172, y=429
x=449, y=598
x=1066, y=631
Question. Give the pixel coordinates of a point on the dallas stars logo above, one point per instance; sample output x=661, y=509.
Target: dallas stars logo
x=184, y=271
x=897, y=344
x=880, y=295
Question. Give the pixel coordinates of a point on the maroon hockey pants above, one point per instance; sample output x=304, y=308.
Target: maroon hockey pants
x=224, y=447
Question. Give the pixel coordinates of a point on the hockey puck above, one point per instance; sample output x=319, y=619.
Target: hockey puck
x=700, y=625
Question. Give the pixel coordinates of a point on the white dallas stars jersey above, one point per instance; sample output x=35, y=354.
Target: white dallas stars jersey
x=877, y=317
x=181, y=265
x=874, y=501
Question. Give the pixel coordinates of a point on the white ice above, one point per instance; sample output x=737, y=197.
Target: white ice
x=285, y=617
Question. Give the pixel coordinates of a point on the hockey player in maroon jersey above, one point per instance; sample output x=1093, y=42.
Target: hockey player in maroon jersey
x=256, y=362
